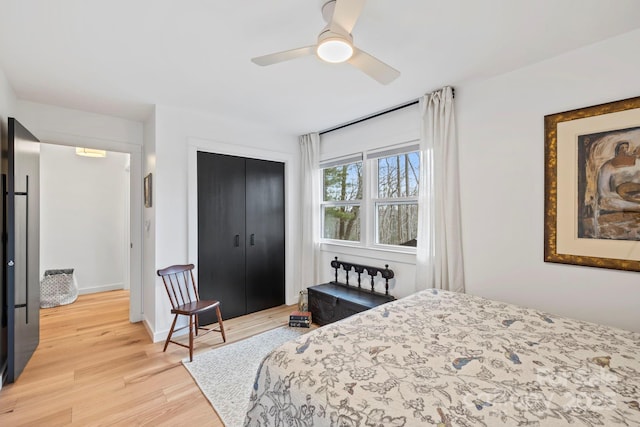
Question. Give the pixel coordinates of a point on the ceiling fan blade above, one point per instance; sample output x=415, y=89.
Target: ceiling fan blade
x=346, y=13
x=274, y=58
x=373, y=67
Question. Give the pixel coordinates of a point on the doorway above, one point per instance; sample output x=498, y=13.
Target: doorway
x=85, y=216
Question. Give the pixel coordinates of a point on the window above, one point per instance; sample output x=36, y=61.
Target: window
x=372, y=202
x=396, y=202
x=342, y=197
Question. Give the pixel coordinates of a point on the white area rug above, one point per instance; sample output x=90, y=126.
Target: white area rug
x=226, y=374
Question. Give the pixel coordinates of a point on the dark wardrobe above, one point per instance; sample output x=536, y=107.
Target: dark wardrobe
x=241, y=253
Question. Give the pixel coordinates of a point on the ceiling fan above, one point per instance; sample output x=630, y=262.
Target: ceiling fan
x=335, y=43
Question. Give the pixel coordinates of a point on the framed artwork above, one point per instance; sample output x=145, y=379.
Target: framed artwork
x=592, y=186
x=147, y=191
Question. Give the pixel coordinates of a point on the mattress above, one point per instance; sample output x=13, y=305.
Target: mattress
x=449, y=359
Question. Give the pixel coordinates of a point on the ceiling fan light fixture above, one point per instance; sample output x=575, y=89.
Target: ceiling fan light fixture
x=335, y=43
x=334, y=50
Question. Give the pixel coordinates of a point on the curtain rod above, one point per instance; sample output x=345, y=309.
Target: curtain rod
x=378, y=114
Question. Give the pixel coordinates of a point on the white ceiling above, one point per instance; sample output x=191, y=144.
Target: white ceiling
x=119, y=57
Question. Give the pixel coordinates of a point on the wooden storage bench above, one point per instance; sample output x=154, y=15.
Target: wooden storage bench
x=334, y=301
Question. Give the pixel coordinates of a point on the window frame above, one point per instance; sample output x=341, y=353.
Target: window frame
x=370, y=201
x=342, y=161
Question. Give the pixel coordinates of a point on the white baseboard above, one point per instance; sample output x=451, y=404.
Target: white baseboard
x=154, y=336
x=103, y=288
x=162, y=335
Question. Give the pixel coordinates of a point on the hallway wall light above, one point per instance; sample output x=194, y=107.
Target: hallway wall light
x=90, y=152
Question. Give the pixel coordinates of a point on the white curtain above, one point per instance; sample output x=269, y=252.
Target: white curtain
x=439, y=252
x=310, y=208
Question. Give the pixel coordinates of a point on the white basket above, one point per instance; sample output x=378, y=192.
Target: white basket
x=58, y=287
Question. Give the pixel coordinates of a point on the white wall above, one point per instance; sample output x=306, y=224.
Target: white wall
x=7, y=101
x=84, y=215
x=66, y=126
x=500, y=123
x=148, y=230
x=178, y=133
x=63, y=126
x=7, y=104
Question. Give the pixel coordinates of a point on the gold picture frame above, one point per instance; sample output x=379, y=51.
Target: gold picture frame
x=591, y=217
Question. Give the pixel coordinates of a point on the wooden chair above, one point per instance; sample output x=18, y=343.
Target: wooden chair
x=183, y=294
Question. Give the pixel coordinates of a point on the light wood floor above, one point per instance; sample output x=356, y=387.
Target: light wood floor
x=93, y=367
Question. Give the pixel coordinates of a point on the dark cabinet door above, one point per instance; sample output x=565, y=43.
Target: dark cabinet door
x=221, y=233
x=240, y=233
x=265, y=234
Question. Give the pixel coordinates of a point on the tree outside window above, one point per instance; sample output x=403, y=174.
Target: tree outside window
x=390, y=204
x=342, y=198
x=397, y=201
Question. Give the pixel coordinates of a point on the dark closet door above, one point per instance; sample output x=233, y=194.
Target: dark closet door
x=240, y=233
x=221, y=233
x=265, y=234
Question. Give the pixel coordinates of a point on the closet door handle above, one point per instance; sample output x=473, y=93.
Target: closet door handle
x=236, y=241
x=252, y=240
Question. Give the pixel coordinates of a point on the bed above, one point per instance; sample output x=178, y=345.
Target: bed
x=449, y=359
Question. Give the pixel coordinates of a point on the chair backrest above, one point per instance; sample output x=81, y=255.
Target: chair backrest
x=180, y=284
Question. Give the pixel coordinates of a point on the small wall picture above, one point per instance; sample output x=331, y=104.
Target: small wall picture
x=147, y=191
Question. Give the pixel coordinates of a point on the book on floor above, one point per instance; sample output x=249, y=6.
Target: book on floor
x=300, y=319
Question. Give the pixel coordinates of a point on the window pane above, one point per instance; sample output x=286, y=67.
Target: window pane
x=342, y=223
x=398, y=224
x=343, y=182
x=398, y=175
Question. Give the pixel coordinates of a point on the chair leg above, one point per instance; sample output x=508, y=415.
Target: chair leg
x=197, y=324
x=166, y=343
x=191, y=338
x=224, y=338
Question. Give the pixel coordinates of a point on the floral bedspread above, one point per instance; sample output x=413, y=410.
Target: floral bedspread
x=448, y=359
